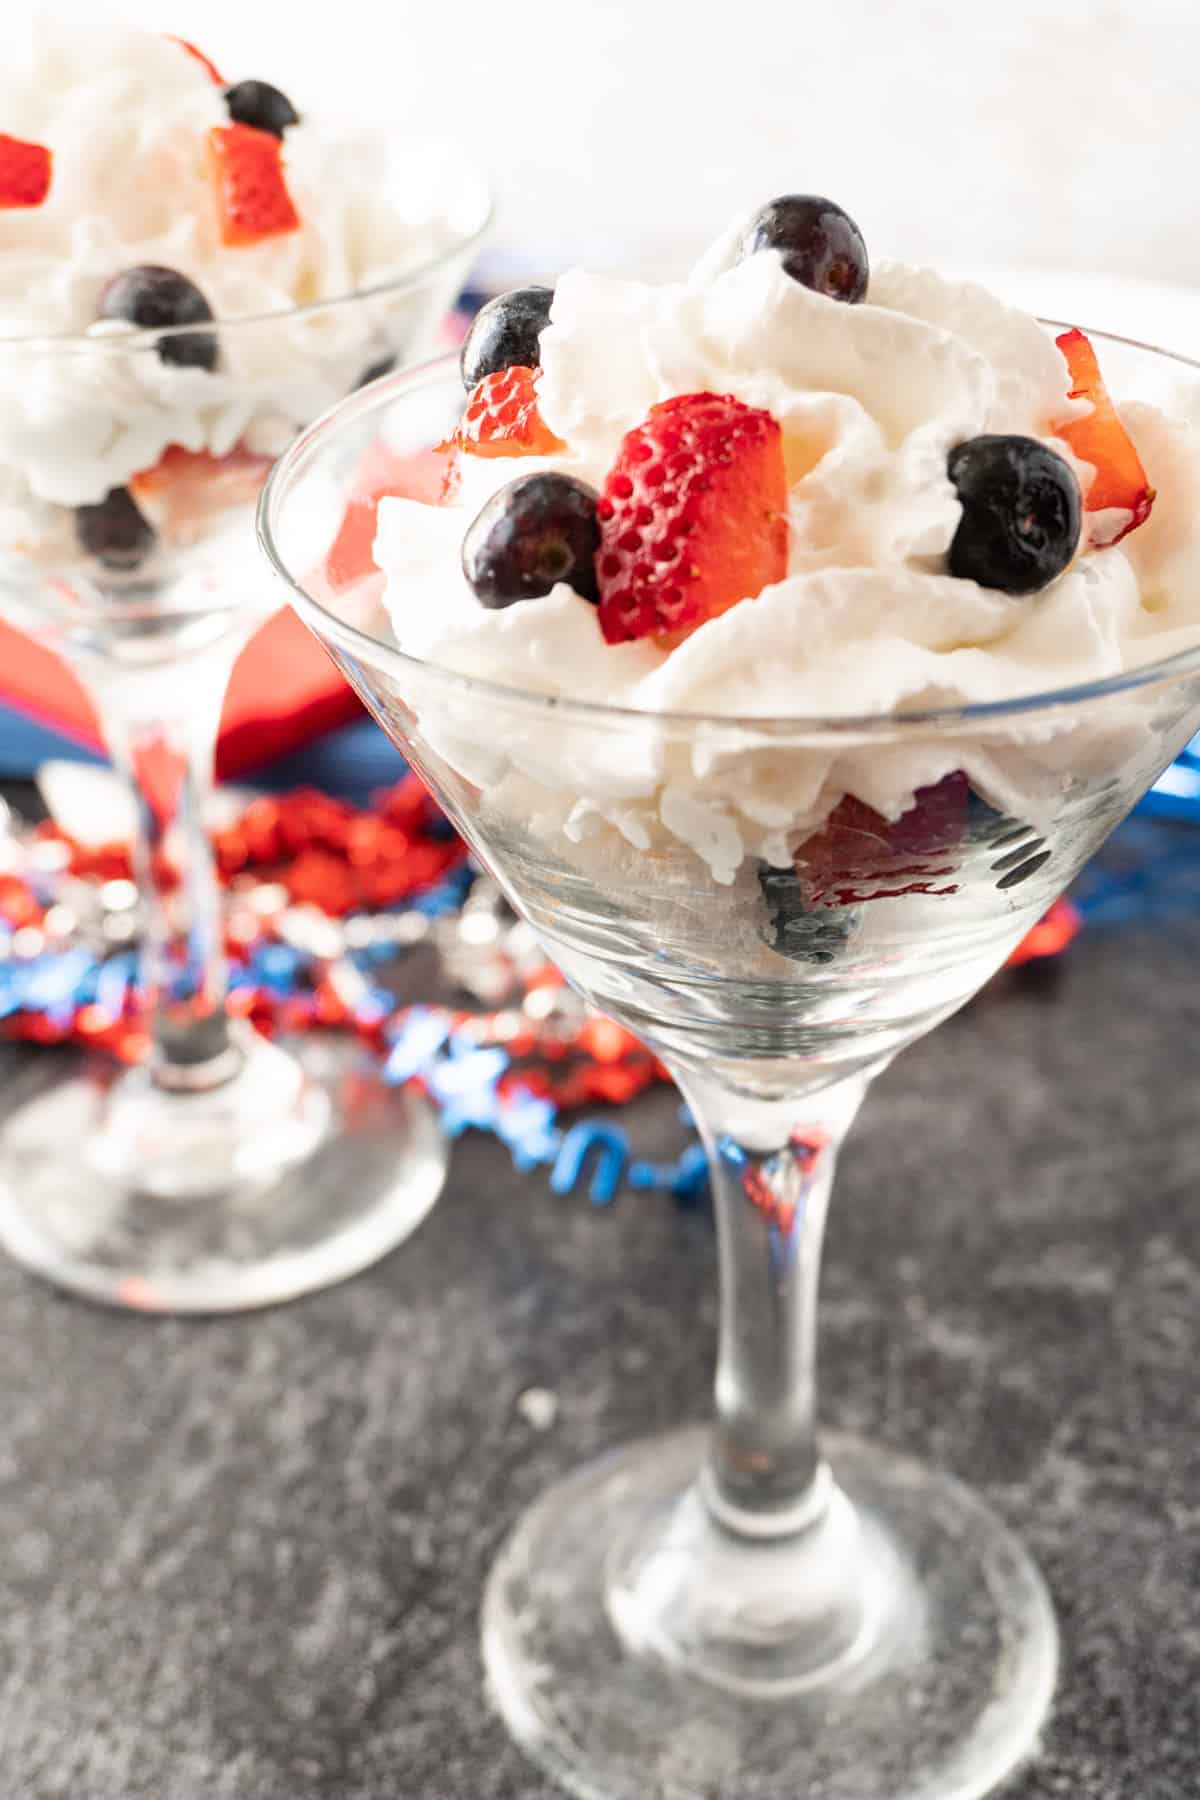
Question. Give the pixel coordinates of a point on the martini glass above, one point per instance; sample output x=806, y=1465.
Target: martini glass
x=224, y=1171
x=757, y=1608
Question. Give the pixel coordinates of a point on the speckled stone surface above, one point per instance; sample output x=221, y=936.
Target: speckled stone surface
x=242, y=1559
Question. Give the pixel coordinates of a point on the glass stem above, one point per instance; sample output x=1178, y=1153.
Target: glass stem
x=163, y=742
x=772, y=1166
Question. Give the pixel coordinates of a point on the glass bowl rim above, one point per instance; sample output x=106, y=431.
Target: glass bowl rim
x=372, y=651
x=483, y=203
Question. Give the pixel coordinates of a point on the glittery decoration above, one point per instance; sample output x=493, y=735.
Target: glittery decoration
x=319, y=898
x=612, y=1147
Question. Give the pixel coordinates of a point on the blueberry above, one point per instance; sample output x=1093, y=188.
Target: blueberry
x=1020, y=513
x=114, y=531
x=504, y=334
x=375, y=371
x=259, y=104
x=535, y=532
x=822, y=247
x=802, y=936
x=156, y=298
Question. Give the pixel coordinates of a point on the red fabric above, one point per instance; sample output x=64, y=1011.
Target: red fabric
x=284, y=692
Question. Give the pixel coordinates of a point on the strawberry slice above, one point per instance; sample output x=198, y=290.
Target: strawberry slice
x=858, y=855
x=693, y=517
x=186, y=489
x=501, y=418
x=25, y=171
x=416, y=476
x=247, y=173
x=210, y=69
x=1101, y=439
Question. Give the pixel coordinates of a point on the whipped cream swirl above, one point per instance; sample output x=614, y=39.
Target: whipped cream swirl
x=871, y=398
x=126, y=114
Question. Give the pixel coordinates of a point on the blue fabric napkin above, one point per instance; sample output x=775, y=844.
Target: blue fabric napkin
x=350, y=763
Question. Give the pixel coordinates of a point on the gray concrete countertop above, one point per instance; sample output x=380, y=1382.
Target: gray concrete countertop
x=241, y=1559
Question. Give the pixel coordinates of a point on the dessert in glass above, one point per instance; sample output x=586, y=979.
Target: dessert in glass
x=785, y=640
x=189, y=273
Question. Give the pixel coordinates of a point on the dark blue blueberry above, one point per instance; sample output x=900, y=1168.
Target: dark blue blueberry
x=539, y=530
x=155, y=299
x=375, y=371
x=1020, y=513
x=114, y=531
x=822, y=247
x=795, y=932
x=259, y=104
x=504, y=334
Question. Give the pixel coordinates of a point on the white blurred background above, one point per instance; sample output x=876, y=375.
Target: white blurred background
x=1045, y=142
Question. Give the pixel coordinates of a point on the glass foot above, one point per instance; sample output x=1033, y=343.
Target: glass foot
x=302, y=1169
x=899, y=1646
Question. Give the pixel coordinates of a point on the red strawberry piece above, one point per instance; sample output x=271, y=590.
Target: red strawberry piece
x=210, y=69
x=415, y=476
x=501, y=418
x=252, y=197
x=693, y=517
x=186, y=489
x=1101, y=439
x=25, y=171
x=858, y=855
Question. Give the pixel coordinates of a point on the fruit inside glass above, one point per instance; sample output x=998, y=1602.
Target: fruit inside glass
x=760, y=1607
x=223, y=1171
